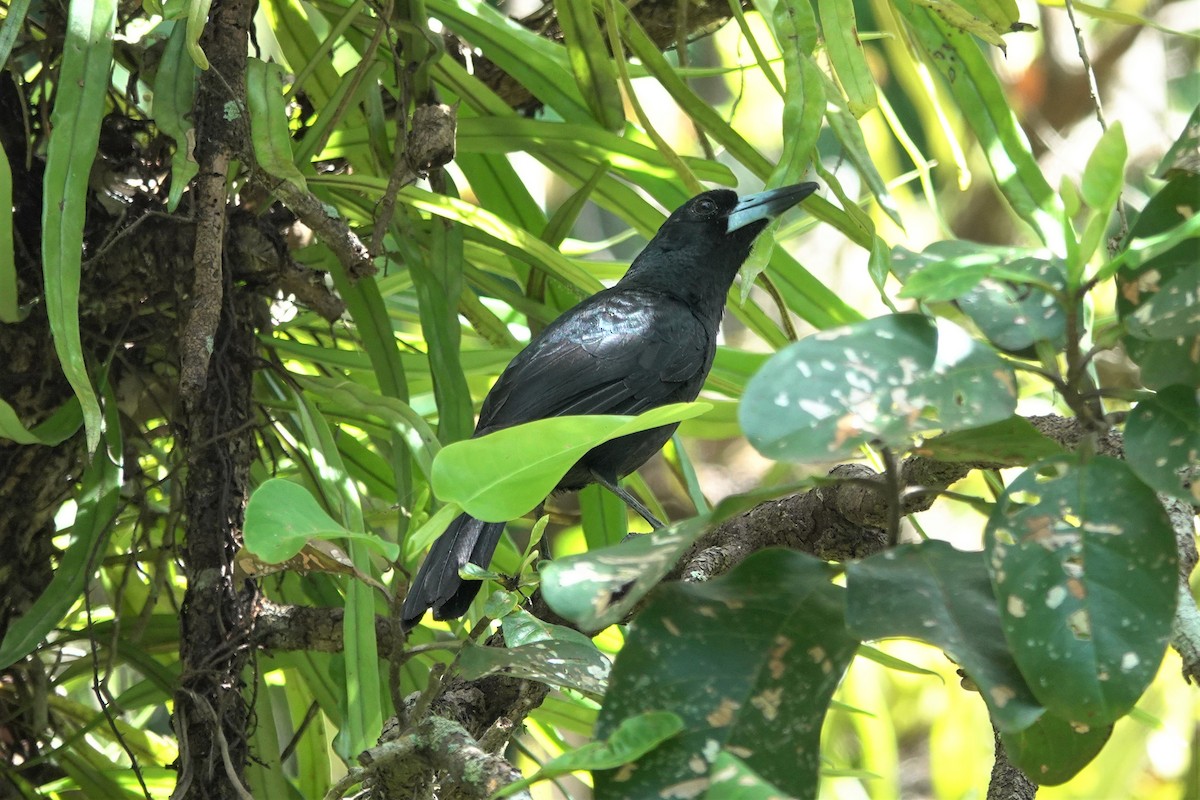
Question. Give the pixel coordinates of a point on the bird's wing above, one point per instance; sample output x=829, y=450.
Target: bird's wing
x=619, y=352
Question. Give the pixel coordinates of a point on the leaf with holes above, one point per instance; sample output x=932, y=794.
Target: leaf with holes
x=749, y=661
x=882, y=381
x=1083, y=561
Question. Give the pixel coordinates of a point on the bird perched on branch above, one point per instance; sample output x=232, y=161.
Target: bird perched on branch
x=647, y=341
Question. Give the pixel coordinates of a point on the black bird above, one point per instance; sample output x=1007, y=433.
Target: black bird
x=647, y=341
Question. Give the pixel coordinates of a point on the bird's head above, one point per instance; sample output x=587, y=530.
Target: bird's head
x=719, y=220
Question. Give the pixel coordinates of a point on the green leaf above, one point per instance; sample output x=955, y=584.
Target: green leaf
x=985, y=107
x=599, y=588
x=1162, y=441
x=9, y=312
x=282, y=516
x=732, y=779
x=749, y=661
x=1083, y=561
x=1016, y=315
x=960, y=15
x=849, y=133
x=57, y=428
x=539, y=651
x=591, y=63
x=1104, y=174
x=269, y=132
x=80, y=91
x=13, y=22
x=948, y=269
x=197, y=16
x=505, y=474
x=1054, y=750
x=840, y=31
x=1170, y=309
x=1162, y=283
x=632, y=739
x=174, y=93
x=884, y=380
x=1010, y=443
x=804, y=95
x=604, y=517
x=940, y=595
x=438, y=280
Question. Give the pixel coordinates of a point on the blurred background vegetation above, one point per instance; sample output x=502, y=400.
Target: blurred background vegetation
x=552, y=177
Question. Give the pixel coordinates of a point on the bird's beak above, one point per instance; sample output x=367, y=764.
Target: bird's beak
x=767, y=205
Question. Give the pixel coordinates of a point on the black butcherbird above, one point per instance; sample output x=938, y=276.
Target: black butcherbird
x=646, y=342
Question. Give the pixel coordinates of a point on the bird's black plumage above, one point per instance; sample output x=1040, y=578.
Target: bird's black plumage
x=647, y=341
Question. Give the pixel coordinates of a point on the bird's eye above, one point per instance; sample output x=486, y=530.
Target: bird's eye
x=705, y=206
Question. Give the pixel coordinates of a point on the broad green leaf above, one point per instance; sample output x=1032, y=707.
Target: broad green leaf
x=632, y=739
x=839, y=28
x=1162, y=441
x=505, y=474
x=79, y=104
x=269, y=132
x=1167, y=359
x=1015, y=315
x=539, y=651
x=732, y=779
x=599, y=588
x=174, y=93
x=943, y=596
x=1011, y=443
x=879, y=381
x=749, y=661
x=948, y=269
x=1083, y=561
x=281, y=517
x=1010, y=293
x=1054, y=749
x=1170, y=309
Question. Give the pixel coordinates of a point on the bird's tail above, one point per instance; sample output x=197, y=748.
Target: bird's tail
x=437, y=584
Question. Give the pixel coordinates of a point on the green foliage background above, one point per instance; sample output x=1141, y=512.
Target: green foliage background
x=911, y=115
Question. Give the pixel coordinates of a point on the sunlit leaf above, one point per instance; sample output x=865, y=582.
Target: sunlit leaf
x=505, y=474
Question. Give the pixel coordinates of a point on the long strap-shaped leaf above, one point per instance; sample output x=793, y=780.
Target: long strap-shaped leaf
x=986, y=110
x=78, y=110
